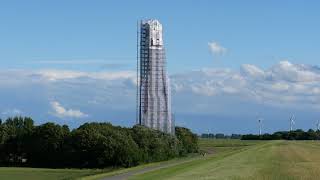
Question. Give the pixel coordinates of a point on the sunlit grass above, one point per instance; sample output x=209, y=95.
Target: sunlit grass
x=45, y=174
x=225, y=159
x=242, y=160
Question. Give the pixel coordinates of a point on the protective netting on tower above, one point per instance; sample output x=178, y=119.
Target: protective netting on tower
x=154, y=91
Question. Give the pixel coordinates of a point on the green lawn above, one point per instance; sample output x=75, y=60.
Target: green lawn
x=214, y=146
x=242, y=160
x=225, y=159
x=44, y=174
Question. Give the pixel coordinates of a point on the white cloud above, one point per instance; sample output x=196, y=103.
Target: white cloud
x=277, y=91
x=280, y=86
x=205, y=89
x=294, y=72
x=62, y=112
x=75, y=61
x=12, y=112
x=285, y=84
x=216, y=48
x=252, y=71
x=55, y=75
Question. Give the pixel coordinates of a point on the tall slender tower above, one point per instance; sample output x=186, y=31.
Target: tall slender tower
x=154, y=99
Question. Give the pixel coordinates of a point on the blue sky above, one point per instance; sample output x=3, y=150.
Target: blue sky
x=57, y=48
x=253, y=32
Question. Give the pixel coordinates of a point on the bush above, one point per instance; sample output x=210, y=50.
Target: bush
x=154, y=145
x=92, y=145
x=188, y=140
x=298, y=134
x=102, y=145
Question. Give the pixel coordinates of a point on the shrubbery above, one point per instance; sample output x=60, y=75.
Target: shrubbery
x=92, y=145
x=220, y=136
x=298, y=134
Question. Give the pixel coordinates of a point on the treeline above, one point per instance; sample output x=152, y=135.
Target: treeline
x=298, y=134
x=220, y=136
x=92, y=145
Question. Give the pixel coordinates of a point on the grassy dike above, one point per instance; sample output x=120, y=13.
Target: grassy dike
x=215, y=149
x=225, y=159
x=285, y=160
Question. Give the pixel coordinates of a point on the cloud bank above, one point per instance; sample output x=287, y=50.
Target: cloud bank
x=111, y=95
x=284, y=84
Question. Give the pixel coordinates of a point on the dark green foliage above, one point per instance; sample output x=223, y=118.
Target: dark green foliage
x=46, y=145
x=154, y=145
x=101, y=145
x=92, y=145
x=14, y=133
x=221, y=136
x=298, y=134
x=188, y=140
x=235, y=136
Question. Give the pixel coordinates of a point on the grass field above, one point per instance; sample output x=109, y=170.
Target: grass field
x=44, y=174
x=242, y=160
x=225, y=159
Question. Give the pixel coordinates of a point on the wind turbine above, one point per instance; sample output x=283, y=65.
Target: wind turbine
x=260, y=126
x=292, y=122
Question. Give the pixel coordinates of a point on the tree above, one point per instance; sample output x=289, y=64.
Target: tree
x=220, y=136
x=188, y=140
x=15, y=132
x=154, y=145
x=235, y=136
x=92, y=145
x=101, y=145
x=47, y=145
